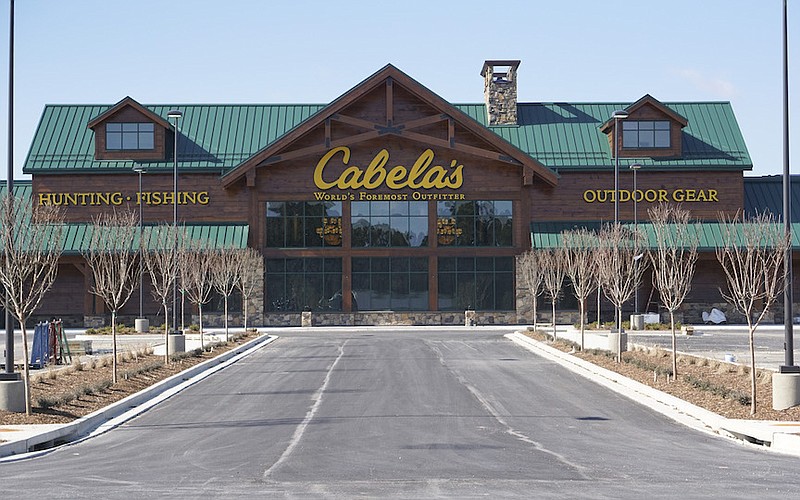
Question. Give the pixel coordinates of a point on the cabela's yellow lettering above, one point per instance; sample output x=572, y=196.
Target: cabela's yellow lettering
x=422, y=175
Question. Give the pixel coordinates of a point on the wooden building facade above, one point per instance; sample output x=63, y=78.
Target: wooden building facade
x=389, y=204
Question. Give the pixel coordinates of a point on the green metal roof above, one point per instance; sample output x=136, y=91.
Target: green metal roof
x=218, y=137
x=78, y=236
x=567, y=136
x=22, y=189
x=548, y=234
x=212, y=137
x=766, y=193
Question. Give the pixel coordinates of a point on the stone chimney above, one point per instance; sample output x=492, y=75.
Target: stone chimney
x=500, y=91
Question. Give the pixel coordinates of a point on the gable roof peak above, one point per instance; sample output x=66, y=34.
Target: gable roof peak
x=125, y=102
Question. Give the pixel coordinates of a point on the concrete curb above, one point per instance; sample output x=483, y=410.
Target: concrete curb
x=115, y=414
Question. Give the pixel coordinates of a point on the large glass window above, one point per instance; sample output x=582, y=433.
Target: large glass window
x=474, y=223
x=294, y=284
x=130, y=136
x=303, y=224
x=645, y=134
x=389, y=223
x=485, y=283
x=390, y=284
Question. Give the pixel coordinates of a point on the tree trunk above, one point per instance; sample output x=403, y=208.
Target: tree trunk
x=114, y=346
x=226, y=318
x=244, y=306
x=555, y=336
x=752, y=371
x=25, y=368
x=674, y=347
x=619, y=334
x=583, y=322
x=166, y=334
x=200, y=311
x=534, y=314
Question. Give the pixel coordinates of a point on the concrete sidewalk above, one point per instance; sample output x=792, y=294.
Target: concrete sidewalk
x=782, y=437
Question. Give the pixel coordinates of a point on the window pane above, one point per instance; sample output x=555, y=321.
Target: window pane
x=275, y=232
x=662, y=139
x=662, y=125
x=379, y=208
x=146, y=140
x=130, y=140
x=359, y=209
x=418, y=231
x=113, y=127
x=360, y=233
x=503, y=208
x=113, y=140
x=398, y=208
x=630, y=139
x=360, y=264
x=399, y=228
x=418, y=208
x=130, y=127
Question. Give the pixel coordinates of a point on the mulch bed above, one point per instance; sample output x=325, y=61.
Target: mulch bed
x=50, y=389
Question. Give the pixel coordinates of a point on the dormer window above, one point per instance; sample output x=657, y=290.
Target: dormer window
x=645, y=134
x=130, y=136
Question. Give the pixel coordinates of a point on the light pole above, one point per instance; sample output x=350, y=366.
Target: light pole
x=9, y=361
x=140, y=170
x=617, y=116
x=634, y=168
x=175, y=114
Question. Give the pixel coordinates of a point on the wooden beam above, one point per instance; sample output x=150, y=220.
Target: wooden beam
x=251, y=178
x=389, y=102
x=483, y=153
x=318, y=148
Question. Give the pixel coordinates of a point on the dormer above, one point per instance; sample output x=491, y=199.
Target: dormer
x=130, y=131
x=650, y=129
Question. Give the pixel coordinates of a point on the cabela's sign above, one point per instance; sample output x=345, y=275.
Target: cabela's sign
x=150, y=198
x=423, y=174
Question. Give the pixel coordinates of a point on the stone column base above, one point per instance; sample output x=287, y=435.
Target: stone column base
x=305, y=318
x=142, y=325
x=12, y=395
x=614, y=342
x=469, y=318
x=785, y=390
x=176, y=342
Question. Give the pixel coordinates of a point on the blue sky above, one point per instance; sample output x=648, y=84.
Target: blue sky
x=245, y=51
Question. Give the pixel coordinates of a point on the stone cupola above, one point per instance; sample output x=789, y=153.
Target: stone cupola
x=500, y=91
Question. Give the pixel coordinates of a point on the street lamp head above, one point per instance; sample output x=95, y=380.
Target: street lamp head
x=635, y=166
x=619, y=114
x=175, y=113
x=140, y=170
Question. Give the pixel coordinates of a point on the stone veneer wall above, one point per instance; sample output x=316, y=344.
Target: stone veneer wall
x=376, y=318
x=500, y=95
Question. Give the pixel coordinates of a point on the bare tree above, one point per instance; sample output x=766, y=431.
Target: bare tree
x=225, y=272
x=751, y=255
x=250, y=276
x=553, y=265
x=580, y=260
x=196, y=277
x=162, y=261
x=531, y=275
x=113, y=258
x=31, y=241
x=673, y=260
x=619, y=249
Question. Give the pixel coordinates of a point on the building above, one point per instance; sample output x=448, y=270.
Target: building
x=389, y=204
